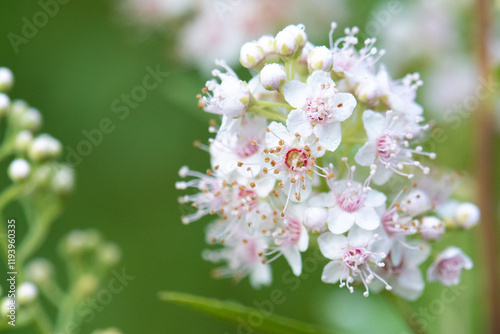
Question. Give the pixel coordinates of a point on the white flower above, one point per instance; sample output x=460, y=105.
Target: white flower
x=230, y=97
x=354, y=203
x=319, y=108
x=4, y=104
x=44, y=147
x=447, y=268
x=273, y=76
x=467, y=215
x=6, y=79
x=291, y=158
x=388, y=146
x=19, y=169
x=23, y=140
x=353, y=257
x=26, y=293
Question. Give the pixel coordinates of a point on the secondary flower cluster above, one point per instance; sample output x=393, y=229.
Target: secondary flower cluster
x=297, y=156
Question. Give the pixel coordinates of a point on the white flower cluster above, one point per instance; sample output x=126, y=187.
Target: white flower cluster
x=284, y=174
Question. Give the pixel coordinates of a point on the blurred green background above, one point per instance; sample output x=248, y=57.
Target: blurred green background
x=72, y=71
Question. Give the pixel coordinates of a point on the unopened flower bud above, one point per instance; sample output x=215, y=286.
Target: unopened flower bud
x=367, y=90
x=26, y=293
x=19, y=107
x=432, y=228
x=39, y=270
x=19, y=170
x=299, y=33
x=306, y=50
x=467, y=215
x=31, y=119
x=315, y=219
x=86, y=285
x=273, y=76
x=24, y=140
x=415, y=203
x=266, y=43
x=107, y=331
x=447, y=268
x=320, y=58
x=4, y=104
x=7, y=307
x=251, y=54
x=109, y=254
x=285, y=43
x=63, y=180
x=44, y=147
x=6, y=79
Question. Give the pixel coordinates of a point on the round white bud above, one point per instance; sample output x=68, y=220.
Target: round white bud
x=18, y=107
x=19, y=170
x=63, y=180
x=26, y=293
x=6, y=79
x=39, y=270
x=4, y=104
x=367, y=90
x=432, y=228
x=415, y=203
x=266, y=43
x=320, y=58
x=109, y=254
x=285, y=43
x=299, y=33
x=315, y=219
x=31, y=119
x=86, y=285
x=44, y=147
x=7, y=307
x=251, y=54
x=273, y=76
x=24, y=140
x=467, y=215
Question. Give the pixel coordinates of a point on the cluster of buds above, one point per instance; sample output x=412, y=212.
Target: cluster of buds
x=300, y=150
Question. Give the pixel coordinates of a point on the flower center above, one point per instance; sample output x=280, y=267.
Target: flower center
x=317, y=110
x=296, y=159
x=355, y=257
x=247, y=149
x=247, y=198
x=351, y=199
x=387, y=147
x=294, y=230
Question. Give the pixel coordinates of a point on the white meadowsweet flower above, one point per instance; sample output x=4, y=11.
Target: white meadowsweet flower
x=354, y=203
x=26, y=293
x=354, y=257
x=467, y=215
x=44, y=147
x=230, y=97
x=273, y=76
x=251, y=54
x=447, y=268
x=320, y=58
x=319, y=108
x=388, y=146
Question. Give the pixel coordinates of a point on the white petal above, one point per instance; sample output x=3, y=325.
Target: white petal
x=261, y=275
x=277, y=131
x=367, y=218
x=339, y=221
x=358, y=236
x=410, y=284
x=332, y=246
x=420, y=253
x=298, y=121
x=382, y=175
x=343, y=106
x=295, y=93
x=333, y=272
x=292, y=255
x=366, y=154
x=374, y=123
x=375, y=198
x=318, y=78
x=329, y=135
x=303, y=242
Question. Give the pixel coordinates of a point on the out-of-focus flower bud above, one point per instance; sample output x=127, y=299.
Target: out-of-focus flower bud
x=107, y=331
x=266, y=43
x=273, y=76
x=251, y=54
x=63, y=180
x=432, y=228
x=44, y=147
x=299, y=32
x=31, y=119
x=447, y=268
x=39, y=271
x=4, y=104
x=24, y=140
x=315, y=219
x=6, y=79
x=109, y=254
x=26, y=293
x=467, y=215
x=285, y=43
x=320, y=58
x=367, y=90
x=86, y=285
x=415, y=203
x=19, y=170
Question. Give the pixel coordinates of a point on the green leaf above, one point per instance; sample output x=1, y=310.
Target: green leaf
x=231, y=311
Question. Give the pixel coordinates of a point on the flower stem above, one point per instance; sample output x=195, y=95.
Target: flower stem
x=42, y=321
x=269, y=114
x=273, y=104
x=6, y=197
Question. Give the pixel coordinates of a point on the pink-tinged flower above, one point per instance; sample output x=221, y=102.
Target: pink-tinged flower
x=354, y=257
x=319, y=108
x=354, y=203
x=239, y=143
x=388, y=146
x=291, y=158
x=231, y=97
x=406, y=278
x=243, y=256
x=448, y=266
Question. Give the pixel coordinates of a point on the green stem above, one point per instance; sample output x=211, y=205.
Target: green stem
x=273, y=104
x=42, y=321
x=272, y=115
x=10, y=194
